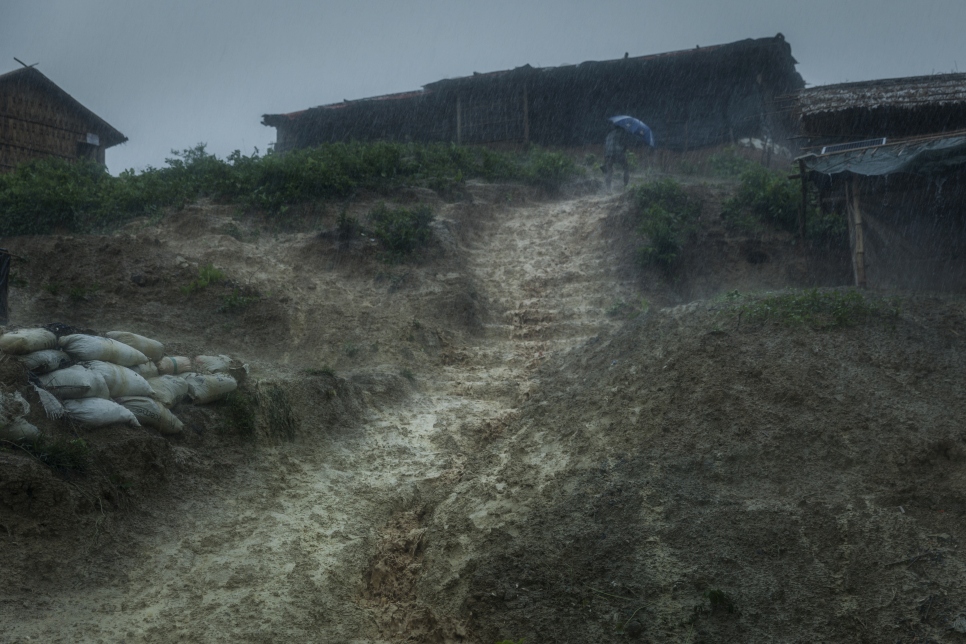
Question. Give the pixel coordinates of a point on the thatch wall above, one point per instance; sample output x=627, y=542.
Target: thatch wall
x=38, y=119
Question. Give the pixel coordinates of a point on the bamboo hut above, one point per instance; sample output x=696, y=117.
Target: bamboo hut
x=39, y=119
x=890, y=156
x=691, y=99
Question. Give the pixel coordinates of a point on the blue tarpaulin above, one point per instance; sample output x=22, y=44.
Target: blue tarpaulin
x=931, y=157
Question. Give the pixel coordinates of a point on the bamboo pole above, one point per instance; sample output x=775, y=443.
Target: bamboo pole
x=858, y=235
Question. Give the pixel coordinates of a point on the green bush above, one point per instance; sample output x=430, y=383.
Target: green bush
x=44, y=196
x=401, y=230
x=549, y=170
x=207, y=275
x=667, y=216
x=47, y=195
x=347, y=227
x=770, y=198
x=238, y=300
x=764, y=197
x=61, y=452
x=729, y=162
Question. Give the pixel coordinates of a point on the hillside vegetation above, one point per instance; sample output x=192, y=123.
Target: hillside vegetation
x=49, y=195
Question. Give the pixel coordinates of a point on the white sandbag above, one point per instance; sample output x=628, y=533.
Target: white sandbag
x=145, y=370
x=12, y=407
x=121, y=381
x=211, y=364
x=152, y=414
x=92, y=347
x=97, y=412
x=27, y=340
x=174, y=365
x=13, y=426
x=153, y=349
x=49, y=402
x=75, y=382
x=168, y=390
x=45, y=361
x=206, y=388
x=19, y=431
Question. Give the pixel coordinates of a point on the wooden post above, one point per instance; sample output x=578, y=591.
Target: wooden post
x=858, y=236
x=526, y=116
x=459, y=119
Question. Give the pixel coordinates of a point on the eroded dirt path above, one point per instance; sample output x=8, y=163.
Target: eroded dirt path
x=279, y=550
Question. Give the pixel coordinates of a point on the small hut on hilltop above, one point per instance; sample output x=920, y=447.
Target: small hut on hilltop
x=890, y=156
x=39, y=119
x=691, y=99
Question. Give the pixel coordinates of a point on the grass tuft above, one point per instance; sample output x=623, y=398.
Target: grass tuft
x=825, y=309
x=207, y=275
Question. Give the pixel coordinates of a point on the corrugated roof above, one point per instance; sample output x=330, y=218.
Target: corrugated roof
x=107, y=132
x=910, y=92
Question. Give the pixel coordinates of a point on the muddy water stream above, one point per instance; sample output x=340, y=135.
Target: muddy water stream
x=277, y=550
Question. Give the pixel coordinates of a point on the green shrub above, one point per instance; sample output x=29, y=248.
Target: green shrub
x=48, y=195
x=401, y=230
x=549, y=170
x=236, y=301
x=207, y=275
x=347, y=227
x=830, y=228
x=764, y=197
x=61, y=452
x=729, y=162
x=667, y=216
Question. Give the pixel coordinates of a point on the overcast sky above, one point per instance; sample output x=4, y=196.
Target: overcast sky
x=172, y=73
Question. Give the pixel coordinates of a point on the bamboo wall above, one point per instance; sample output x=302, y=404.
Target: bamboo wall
x=32, y=125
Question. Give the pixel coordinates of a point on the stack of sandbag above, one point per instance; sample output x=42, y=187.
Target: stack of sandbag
x=121, y=378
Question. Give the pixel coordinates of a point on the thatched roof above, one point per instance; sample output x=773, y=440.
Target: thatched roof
x=911, y=92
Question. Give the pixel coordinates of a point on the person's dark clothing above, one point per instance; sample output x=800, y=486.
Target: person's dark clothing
x=615, y=151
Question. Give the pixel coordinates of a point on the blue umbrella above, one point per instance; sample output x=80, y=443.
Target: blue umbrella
x=635, y=127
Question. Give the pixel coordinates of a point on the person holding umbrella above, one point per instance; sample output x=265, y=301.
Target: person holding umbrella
x=626, y=130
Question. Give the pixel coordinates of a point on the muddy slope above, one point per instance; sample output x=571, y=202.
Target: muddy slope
x=504, y=450
x=295, y=541
x=687, y=480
